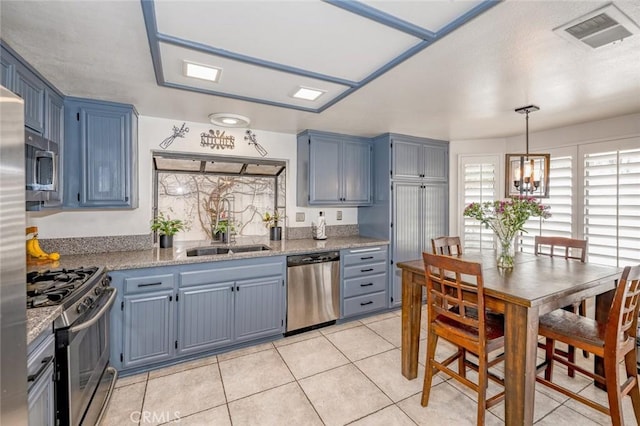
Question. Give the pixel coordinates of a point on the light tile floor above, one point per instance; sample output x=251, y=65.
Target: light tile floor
x=343, y=374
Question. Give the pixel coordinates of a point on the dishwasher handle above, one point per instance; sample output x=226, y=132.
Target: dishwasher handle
x=311, y=258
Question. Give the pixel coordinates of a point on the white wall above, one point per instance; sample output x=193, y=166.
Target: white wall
x=152, y=131
x=596, y=131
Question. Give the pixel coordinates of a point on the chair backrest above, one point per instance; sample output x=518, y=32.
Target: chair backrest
x=446, y=245
x=621, y=331
x=566, y=243
x=446, y=291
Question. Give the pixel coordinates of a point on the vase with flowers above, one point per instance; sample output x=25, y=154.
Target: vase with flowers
x=506, y=218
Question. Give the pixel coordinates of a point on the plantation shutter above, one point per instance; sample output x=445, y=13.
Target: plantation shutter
x=479, y=177
x=612, y=206
x=561, y=206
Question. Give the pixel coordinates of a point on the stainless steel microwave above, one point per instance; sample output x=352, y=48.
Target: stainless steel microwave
x=41, y=167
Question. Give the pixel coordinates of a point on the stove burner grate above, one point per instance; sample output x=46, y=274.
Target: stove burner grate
x=51, y=287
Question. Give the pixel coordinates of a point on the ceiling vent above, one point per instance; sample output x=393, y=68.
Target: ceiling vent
x=598, y=28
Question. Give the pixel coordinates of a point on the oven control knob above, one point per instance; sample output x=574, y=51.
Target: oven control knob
x=98, y=291
x=88, y=301
x=81, y=307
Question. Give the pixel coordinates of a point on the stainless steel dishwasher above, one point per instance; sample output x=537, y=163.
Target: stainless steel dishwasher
x=313, y=291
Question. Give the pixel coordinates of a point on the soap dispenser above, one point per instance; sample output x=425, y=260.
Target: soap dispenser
x=318, y=229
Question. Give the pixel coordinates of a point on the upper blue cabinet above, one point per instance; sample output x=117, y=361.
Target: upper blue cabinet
x=101, y=145
x=419, y=158
x=333, y=169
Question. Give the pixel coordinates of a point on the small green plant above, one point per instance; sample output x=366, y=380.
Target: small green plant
x=223, y=225
x=167, y=226
x=271, y=220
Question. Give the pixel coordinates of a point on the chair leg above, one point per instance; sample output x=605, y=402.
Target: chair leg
x=432, y=341
x=582, y=310
x=462, y=367
x=548, y=357
x=483, y=383
x=630, y=362
x=612, y=380
x=571, y=357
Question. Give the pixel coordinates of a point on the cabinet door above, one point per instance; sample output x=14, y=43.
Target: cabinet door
x=41, y=401
x=6, y=72
x=407, y=226
x=31, y=90
x=259, y=308
x=105, y=144
x=205, y=317
x=406, y=158
x=148, y=328
x=356, y=172
x=324, y=171
x=435, y=160
x=435, y=213
x=54, y=130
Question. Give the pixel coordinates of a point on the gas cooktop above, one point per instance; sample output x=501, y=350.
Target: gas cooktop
x=58, y=286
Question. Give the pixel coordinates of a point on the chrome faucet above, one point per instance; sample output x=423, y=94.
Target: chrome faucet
x=226, y=235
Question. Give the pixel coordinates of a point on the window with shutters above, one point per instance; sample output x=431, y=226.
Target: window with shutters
x=612, y=205
x=561, y=189
x=479, y=177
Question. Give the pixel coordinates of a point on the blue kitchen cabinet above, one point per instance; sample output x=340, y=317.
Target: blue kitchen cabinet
x=32, y=90
x=259, y=307
x=54, y=130
x=100, y=162
x=414, y=158
x=333, y=169
x=147, y=310
x=6, y=71
x=168, y=313
x=410, y=202
x=205, y=317
x=364, y=280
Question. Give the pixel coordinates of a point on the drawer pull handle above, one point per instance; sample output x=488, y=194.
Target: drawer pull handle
x=366, y=258
x=43, y=366
x=366, y=270
x=366, y=285
x=149, y=284
x=367, y=303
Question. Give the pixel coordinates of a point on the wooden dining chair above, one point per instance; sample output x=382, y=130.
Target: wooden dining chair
x=446, y=245
x=456, y=313
x=546, y=246
x=614, y=342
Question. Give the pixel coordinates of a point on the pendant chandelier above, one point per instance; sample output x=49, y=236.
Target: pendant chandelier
x=527, y=174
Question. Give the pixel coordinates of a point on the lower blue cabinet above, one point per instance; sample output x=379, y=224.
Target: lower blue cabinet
x=148, y=328
x=205, y=317
x=171, y=312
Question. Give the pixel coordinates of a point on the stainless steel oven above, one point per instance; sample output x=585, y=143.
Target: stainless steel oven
x=84, y=381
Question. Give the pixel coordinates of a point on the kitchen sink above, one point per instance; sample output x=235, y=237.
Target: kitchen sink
x=207, y=251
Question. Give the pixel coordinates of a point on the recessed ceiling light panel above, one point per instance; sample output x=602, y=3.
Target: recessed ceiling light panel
x=307, y=93
x=226, y=119
x=203, y=72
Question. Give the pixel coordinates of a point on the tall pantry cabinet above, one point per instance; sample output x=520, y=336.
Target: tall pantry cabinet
x=411, y=199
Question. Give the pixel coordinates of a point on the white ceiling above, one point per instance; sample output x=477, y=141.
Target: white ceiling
x=464, y=86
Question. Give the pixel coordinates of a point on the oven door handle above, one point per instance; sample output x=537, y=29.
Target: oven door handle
x=97, y=316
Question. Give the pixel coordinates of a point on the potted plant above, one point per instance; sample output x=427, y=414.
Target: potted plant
x=222, y=230
x=167, y=228
x=271, y=222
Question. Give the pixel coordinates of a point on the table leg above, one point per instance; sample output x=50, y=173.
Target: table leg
x=521, y=343
x=411, y=310
x=603, y=306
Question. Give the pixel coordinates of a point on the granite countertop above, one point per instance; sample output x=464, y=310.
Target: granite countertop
x=177, y=255
x=39, y=319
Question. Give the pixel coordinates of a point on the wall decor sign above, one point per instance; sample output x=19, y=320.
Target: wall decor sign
x=177, y=133
x=251, y=137
x=217, y=139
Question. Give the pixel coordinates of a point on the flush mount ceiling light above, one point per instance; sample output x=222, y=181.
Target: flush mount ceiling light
x=203, y=72
x=527, y=174
x=226, y=119
x=307, y=93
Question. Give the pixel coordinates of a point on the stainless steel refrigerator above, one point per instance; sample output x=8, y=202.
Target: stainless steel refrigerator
x=13, y=334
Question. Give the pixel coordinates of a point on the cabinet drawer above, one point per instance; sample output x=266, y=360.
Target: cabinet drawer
x=372, y=255
x=362, y=270
x=362, y=304
x=363, y=285
x=147, y=284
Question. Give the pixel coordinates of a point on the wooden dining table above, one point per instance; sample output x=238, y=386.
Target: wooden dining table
x=536, y=285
